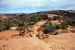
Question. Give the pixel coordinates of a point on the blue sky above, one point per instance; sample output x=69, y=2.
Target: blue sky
x=29, y=6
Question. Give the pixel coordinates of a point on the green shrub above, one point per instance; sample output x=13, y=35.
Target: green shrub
x=49, y=23
x=57, y=17
x=34, y=19
x=48, y=29
x=63, y=25
x=22, y=30
x=72, y=23
x=2, y=27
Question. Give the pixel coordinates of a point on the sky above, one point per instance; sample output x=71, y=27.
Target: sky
x=30, y=6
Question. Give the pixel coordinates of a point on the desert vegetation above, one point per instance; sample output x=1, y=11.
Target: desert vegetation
x=38, y=31
x=22, y=23
x=49, y=28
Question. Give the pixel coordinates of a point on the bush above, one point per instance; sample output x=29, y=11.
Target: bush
x=63, y=25
x=72, y=23
x=48, y=29
x=2, y=27
x=35, y=19
x=5, y=25
x=22, y=30
x=57, y=17
x=49, y=23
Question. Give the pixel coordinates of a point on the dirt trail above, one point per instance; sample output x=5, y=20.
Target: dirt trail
x=36, y=27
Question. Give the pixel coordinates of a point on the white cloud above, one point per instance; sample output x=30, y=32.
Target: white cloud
x=20, y=3
x=33, y=4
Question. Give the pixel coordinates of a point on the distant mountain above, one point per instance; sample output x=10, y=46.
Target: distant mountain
x=65, y=13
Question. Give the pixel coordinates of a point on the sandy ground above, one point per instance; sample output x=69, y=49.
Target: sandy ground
x=58, y=42
x=65, y=41
x=8, y=34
